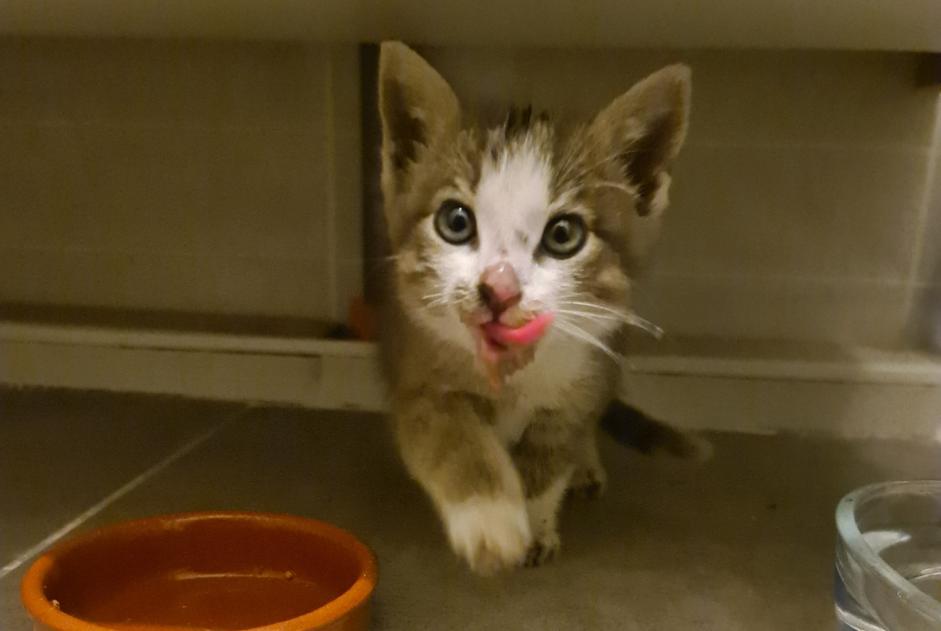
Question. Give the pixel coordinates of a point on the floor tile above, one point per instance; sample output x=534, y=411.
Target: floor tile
x=743, y=541
x=60, y=453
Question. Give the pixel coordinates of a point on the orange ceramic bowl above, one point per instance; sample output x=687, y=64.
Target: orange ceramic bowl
x=227, y=570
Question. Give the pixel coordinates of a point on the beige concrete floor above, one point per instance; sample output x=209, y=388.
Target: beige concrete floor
x=742, y=542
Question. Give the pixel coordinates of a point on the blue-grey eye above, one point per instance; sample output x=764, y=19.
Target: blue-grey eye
x=564, y=236
x=454, y=222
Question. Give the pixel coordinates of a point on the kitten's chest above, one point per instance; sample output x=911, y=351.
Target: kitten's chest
x=546, y=384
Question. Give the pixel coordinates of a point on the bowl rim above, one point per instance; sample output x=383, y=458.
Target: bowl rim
x=852, y=537
x=43, y=611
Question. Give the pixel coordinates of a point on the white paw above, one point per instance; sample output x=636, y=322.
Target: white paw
x=491, y=534
x=544, y=549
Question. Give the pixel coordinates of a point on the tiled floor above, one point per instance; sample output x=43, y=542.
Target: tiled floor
x=741, y=542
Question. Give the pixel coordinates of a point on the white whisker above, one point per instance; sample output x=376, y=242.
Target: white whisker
x=435, y=299
x=435, y=295
x=579, y=333
x=586, y=169
x=629, y=318
x=621, y=187
x=595, y=317
x=645, y=325
x=595, y=305
x=591, y=167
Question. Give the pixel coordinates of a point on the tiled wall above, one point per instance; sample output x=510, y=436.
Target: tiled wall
x=799, y=203
x=225, y=177
x=927, y=297
x=204, y=177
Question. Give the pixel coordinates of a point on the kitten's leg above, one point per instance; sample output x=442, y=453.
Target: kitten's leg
x=470, y=477
x=545, y=457
x=589, y=479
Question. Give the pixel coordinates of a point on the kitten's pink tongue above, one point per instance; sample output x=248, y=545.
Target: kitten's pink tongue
x=524, y=335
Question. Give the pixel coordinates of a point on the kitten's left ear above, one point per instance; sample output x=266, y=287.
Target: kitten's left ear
x=642, y=131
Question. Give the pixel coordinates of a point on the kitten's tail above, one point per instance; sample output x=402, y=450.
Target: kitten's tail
x=635, y=429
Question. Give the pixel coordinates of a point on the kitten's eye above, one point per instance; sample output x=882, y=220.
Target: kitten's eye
x=564, y=236
x=455, y=223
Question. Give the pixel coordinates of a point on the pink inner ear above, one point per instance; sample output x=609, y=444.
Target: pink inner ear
x=525, y=335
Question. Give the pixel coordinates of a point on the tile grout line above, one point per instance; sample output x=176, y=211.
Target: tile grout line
x=918, y=249
x=111, y=498
x=337, y=311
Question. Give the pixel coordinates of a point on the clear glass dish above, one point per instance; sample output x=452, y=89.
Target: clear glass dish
x=888, y=557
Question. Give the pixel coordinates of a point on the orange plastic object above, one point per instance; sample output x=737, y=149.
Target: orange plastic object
x=363, y=320
x=226, y=571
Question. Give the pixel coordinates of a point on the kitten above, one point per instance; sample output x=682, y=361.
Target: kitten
x=511, y=294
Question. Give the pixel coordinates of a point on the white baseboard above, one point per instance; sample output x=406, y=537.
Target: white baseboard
x=854, y=393
x=295, y=371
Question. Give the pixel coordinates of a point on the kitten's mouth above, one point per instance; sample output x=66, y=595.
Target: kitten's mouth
x=507, y=343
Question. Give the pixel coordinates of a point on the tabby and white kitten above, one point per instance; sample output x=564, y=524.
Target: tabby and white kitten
x=512, y=284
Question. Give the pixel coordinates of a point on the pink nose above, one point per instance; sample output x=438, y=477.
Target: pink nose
x=499, y=287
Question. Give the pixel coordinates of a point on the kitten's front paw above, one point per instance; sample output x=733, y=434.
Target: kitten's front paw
x=491, y=534
x=588, y=482
x=543, y=549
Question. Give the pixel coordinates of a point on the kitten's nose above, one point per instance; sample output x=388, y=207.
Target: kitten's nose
x=499, y=287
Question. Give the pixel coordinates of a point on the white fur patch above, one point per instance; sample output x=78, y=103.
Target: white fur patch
x=543, y=510
x=559, y=361
x=512, y=201
x=491, y=534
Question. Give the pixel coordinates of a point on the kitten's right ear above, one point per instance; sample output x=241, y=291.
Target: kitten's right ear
x=642, y=131
x=417, y=107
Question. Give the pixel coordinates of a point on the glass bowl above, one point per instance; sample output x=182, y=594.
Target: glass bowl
x=888, y=557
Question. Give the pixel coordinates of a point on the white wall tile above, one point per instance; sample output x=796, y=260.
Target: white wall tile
x=755, y=97
x=925, y=316
x=838, y=311
x=196, y=175
x=758, y=210
x=137, y=279
x=39, y=185
x=171, y=82
x=143, y=189
x=177, y=175
x=929, y=267
x=346, y=178
x=268, y=192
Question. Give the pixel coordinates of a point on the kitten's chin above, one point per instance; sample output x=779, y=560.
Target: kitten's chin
x=507, y=344
x=499, y=362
